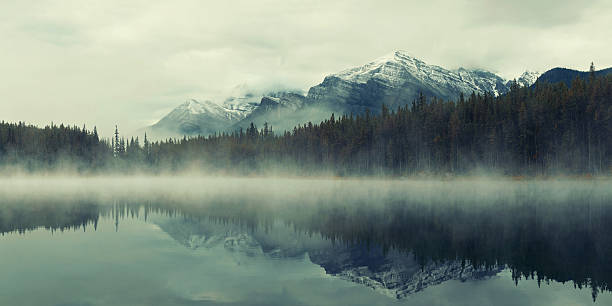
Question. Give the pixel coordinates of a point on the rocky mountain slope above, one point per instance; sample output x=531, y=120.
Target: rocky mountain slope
x=527, y=79
x=275, y=109
x=398, y=79
x=194, y=117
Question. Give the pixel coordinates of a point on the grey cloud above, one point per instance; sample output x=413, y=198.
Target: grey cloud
x=54, y=33
x=108, y=62
x=531, y=14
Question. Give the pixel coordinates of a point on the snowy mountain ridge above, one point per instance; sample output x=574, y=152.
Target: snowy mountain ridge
x=398, y=67
x=393, y=80
x=528, y=78
x=229, y=112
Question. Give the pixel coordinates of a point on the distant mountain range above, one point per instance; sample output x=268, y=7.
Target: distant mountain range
x=394, y=80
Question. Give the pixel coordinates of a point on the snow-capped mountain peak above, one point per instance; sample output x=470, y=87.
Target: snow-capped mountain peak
x=195, y=107
x=400, y=68
x=528, y=78
x=229, y=111
x=200, y=117
x=397, y=79
x=389, y=68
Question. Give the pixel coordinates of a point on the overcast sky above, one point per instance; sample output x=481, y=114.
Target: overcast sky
x=130, y=62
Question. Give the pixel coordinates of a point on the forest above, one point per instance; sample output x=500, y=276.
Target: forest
x=545, y=129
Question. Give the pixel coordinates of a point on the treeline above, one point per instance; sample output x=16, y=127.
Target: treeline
x=31, y=148
x=544, y=129
x=547, y=129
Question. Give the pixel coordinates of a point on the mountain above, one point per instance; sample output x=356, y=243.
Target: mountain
x=564, y=75
x=398, y=79
x=195, y=117
x=200, y=117
x=281, y=110
x=394, y=80
x=527, y=79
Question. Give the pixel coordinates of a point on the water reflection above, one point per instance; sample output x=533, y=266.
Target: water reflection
x=399, y=241
x=392, y=273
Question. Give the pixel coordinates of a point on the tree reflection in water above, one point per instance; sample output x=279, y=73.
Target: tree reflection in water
x=541, y=237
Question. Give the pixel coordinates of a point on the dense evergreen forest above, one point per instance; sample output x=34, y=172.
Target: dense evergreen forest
x=545, y=129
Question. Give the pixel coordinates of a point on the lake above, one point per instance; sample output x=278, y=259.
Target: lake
x=288, y=241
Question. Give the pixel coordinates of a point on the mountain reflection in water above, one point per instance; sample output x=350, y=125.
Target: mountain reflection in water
x=398, y=238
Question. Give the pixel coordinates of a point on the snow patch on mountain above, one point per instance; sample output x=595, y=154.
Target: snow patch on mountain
x=528, y=78
x=192, y=109
x=195, y=107
x=398, y=68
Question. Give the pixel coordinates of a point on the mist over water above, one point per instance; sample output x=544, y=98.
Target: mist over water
x=192, y=240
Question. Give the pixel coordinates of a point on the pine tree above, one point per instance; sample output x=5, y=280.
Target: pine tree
x=116, y=145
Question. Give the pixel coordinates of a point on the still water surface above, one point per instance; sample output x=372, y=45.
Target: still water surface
x=193, y=241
